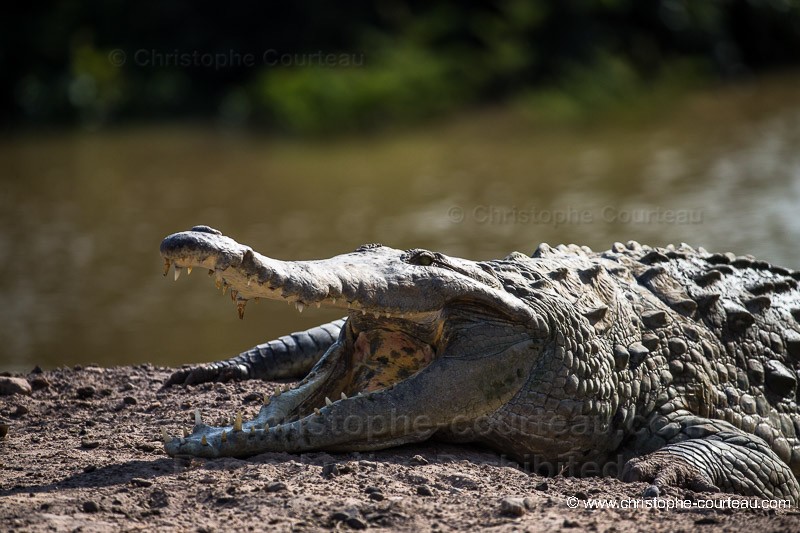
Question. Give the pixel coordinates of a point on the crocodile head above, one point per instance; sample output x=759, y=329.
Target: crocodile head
x=429, y=341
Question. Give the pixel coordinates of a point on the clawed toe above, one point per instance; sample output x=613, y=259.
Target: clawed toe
x=667, y=470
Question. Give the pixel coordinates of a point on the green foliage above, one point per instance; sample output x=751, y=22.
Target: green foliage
x=394, y=62
x=402, y=84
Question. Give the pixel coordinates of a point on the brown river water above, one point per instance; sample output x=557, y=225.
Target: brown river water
x=82, y=213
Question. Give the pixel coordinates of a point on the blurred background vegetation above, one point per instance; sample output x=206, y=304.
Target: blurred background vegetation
x=318, y=67
x=305, y=129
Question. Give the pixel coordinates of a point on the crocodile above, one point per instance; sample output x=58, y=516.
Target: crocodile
x=672, y=366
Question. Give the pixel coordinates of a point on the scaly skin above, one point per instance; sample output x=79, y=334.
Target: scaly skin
x=673, y=366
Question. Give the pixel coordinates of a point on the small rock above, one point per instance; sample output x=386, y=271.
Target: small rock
x=141, y=482
x=37, y=370
x=146, y=447
x=128, y=386
x=278, y=486
x=89, y=444
x=89, y=468
x=90, y=506
x=512, y=506
x=706, y=520
x=4, y=427
x=418, y=460
x=377, y=496
x=581, y=495
x=129, y=400
x=356, y=522
x=570, y=523
x=9, y=386
x=39, y=383
x=543, y=486
x=331, y=470
x=21, y=410
x=158, y=499
x=252, y=397
x=424, y=490
x=371, y=489
x=84, y=393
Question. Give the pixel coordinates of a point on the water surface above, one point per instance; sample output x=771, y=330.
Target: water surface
x=82, y=214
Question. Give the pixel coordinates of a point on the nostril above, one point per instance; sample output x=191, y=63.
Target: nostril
x=206, y=229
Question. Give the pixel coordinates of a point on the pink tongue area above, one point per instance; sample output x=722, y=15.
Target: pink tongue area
x=383, y=358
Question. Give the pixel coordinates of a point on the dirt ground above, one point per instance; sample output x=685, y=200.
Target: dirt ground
x=83, y=453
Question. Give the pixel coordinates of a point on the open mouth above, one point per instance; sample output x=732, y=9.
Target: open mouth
x=378, y=347
x=409, y=330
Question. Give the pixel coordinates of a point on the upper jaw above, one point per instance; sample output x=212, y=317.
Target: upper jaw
x=372, y=280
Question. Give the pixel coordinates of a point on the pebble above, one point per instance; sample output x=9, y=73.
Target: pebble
x=351, y=517
x=89, y=444
x=4, y=427
x=141, y=482
x=377, y=496
x=158, y=499
x=84, y=393
x=89, y=468
x=90, y=506
x=39, y=383
x=21, y=410
x=418, y=460
x=515, y=506
x=278, y=486
x=252, y=397
x=424, y=490
x=543, y=486
x=129, y=400
x=9, y=386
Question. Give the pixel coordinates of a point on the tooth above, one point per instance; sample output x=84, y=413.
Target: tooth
x=363, y=312
x=318, y=305
x=188, y=270
x=252, y=430
x=240, y=308
x=218, y=282
x=267, y=399
x=344, y=396
x=316, y=411
x=185, y=432
x=237, y=424
x=203, y=441
x=328, y=401
x=210, y=272
x=300, y=306
x=224, y=436
x=249, y=281
x=279, y=391
x=178, y=271
x=165, y=435
x=166, y=266
x=224, y=288
x=198, y=419
x=234, y=294
x=376, y=315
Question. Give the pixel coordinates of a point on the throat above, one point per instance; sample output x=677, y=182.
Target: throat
x=382, y=358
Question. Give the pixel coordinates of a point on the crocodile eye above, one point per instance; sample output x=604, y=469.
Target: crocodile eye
x=425, y=260
x=419, y=257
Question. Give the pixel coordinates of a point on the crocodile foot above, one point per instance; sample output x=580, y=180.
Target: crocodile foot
x=730, y=461
x=663, y=469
